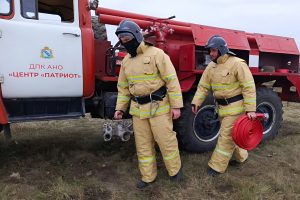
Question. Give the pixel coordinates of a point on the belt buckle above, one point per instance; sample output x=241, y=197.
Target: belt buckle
x=158, y=98
x=136, y=99
x=227, y=103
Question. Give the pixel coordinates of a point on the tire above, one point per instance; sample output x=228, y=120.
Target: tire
x=99, y=34
x=197, y=133
x=267, y=101
x=99, y=29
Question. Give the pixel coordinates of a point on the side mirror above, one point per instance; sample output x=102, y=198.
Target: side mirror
x=93, y=4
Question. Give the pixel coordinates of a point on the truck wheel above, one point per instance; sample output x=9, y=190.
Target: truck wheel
x=267, y=101
x=198, y=133
x=99, y=29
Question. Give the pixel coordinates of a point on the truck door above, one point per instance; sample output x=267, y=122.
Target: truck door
x=40, y=49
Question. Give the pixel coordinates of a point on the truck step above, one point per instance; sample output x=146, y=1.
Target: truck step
x=44, y=108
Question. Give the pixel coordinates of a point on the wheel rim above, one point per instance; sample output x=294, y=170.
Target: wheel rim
x=268, y=108
x=206, y=125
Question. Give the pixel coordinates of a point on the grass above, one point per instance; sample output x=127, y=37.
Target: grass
x=70, y=160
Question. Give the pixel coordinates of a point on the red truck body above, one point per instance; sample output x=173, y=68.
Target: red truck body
x=183, y=43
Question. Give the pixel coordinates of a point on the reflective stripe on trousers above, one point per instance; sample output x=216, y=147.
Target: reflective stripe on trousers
x=148, y=131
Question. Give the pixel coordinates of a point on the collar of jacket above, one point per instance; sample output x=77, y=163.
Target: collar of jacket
x=142, y=48
x=222, y=59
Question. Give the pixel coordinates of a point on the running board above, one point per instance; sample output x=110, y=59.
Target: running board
x=19, y=110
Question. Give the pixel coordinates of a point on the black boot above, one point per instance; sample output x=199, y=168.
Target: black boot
x=178, y=177
x=212, y=172
x=141, y=184
x=235, y=163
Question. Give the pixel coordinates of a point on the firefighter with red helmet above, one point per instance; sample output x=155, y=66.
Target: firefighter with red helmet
x=231, y=82
x=148, y=82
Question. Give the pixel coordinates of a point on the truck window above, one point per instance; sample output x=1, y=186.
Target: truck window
x=5, y=7
x=28, y=9
x=50, y=10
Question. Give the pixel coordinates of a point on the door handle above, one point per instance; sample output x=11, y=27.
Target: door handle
x=74, y=34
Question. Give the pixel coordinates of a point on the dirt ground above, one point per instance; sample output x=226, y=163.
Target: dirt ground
x=70, y=160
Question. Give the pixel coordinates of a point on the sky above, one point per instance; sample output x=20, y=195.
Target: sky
x=274, y=17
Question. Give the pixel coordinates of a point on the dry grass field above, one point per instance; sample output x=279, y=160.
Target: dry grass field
x=70, y=160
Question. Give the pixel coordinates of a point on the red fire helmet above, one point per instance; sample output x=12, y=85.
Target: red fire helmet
x=248, y=133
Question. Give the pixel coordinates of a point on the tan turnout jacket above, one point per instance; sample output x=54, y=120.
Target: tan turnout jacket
x=229, y=77
x=144, y=74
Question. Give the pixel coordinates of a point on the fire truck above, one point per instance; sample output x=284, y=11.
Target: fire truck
x=56, y=63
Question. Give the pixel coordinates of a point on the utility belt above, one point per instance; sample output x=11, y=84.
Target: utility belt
x=230, y=100
x=157, y=95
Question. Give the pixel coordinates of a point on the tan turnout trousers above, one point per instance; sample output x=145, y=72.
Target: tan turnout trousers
x=148, y=131
x=226, y=147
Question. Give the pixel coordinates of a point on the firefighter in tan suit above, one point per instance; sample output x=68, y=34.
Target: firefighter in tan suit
x=148, y=78
x=232, y=84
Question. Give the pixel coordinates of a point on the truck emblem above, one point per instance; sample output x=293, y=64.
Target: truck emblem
x=47, y=53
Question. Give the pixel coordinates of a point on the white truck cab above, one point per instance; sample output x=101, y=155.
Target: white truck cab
x=46, y=59
x=41, y=49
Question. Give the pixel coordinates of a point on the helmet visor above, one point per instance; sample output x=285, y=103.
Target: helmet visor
x=125, y=35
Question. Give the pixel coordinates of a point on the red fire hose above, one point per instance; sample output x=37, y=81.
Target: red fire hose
x=248, y=133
